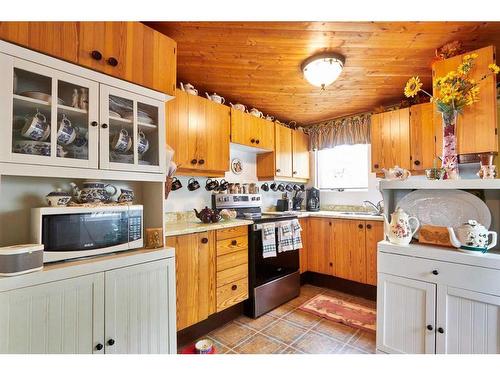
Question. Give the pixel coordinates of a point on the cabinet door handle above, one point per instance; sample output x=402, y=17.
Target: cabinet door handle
x=430, y=327
x=360, y=226
x=417, y=162
x=331, y=264
x=99, y=346
x=234, y=287
x=375, y=166
x=440, y=330
x=94, y=123
x=257, y=141
x=330, y=223
x=252, y=140
x=112, y=61
x=435, y=272
x=194, y=161
x=234, y=242
x=104, y=126
x=278, y=170
x=96, y=55
x=201, y=161
x=294, y=172
x=368, y=226
x=204, y=240
x=111, y=342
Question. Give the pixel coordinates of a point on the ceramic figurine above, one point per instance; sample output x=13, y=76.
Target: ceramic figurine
x=75, y=99
x=154, y=238
x=84, y=99
x=126, y=196
x=396, y=173
x=58, y=198
x=399, y=231
x=473, y=237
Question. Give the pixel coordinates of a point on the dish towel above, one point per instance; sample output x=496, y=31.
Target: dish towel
x=297, y=238
x=268, y=240
x=285, y=236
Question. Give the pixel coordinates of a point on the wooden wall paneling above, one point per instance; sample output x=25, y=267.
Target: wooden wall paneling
x=477, y=126
x=283, y=151
x=374, y=234
x=376, y=142
x=422, y=136
x=300, y=155
x=58, y=39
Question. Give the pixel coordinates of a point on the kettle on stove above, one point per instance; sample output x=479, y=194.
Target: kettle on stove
x=312, y=199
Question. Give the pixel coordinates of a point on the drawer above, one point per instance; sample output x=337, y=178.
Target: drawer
x=231, y=294
x=223, y=234
x=475, y=278
x=231, y=245
x=232, y=259
x=232, y=274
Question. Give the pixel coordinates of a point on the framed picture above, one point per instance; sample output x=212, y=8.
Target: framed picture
x=236, y=166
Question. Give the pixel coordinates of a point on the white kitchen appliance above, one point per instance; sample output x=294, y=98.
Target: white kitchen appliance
x=20, y=259
x=75, y=232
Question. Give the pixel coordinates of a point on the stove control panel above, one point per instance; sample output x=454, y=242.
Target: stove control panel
x=236, y=200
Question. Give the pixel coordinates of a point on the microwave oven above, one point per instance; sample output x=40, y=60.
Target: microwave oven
x=76, y=232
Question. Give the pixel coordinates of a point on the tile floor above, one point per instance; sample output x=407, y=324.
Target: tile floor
x=289, y=330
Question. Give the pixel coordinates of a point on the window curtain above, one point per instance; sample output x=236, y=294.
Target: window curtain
x=345, y=131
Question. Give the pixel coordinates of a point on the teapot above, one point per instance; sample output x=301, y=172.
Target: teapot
x=399, y=230
x=269, y=118
x=58, y=198
x=215, y=98
x=472, y=236
x=238, y=106
x=93, y=192
x=255, y=112
x=204, y=215
x=396, y=173
x=189, y=88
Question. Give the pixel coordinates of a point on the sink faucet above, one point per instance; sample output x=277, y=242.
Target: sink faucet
x=378, y=207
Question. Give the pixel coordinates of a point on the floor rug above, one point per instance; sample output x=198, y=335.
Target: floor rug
x=348, y=313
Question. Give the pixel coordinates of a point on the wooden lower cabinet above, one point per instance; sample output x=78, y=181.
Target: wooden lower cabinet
x=303, y=253
x=344, y=248
x=212, y=272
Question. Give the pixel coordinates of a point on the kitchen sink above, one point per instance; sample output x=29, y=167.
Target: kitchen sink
x=360, y=213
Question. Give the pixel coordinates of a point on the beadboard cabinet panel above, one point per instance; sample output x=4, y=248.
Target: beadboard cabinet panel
x=59, y=317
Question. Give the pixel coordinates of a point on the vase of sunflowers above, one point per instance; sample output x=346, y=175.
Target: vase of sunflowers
x=455, y=91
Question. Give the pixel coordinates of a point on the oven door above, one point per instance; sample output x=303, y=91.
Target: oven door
x=264, y=270
x=73, y=235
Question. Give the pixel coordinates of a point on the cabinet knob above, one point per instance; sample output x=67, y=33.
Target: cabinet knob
x=234, y=287
x=96, y=55
x=330, y=223
x=440, y=330
x=294, y=172
x=194, y=161
x=417, y=162
x=331, y=264
x=435, y=272
x=104, y=126
x=111, y=342
x=360, y=226
x=368, y=226
x=234, y=242
x=430, y=327
x=257, y=141
x=112, y=61
x=375, y=166
x=99, y=346
x=201, y=161
x=94, y=123
x=204, y=240
x=278, y=170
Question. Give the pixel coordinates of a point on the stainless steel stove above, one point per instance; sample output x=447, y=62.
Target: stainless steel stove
x=271, y=281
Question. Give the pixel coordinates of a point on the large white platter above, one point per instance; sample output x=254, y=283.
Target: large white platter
x=447, y=208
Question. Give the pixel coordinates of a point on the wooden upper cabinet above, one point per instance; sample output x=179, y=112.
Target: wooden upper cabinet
x=58, y=39
x=390, y=139
x=198, y=131
x=422, y=136
x=477, y=125
x=251, y=131
x=374, y=234
x=300, y=154
x=130, y=51
x=283, y=151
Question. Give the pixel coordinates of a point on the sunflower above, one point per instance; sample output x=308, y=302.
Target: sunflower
x=413, y=86
x=494, y=68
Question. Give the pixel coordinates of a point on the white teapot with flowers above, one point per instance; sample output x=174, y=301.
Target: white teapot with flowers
x=399, y=231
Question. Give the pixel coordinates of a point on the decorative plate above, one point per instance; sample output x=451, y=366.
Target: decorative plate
x=236, y=166
x=446, y=208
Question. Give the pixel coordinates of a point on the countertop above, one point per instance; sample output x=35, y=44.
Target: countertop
x=332, y=214
x=188, y=227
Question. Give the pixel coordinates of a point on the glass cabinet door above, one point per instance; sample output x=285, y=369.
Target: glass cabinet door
x=51, y=113
x=130, y=136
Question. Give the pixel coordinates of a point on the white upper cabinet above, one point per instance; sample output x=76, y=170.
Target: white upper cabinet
x=52, y=117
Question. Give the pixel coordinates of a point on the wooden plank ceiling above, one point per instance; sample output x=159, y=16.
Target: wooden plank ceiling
x=258, y=63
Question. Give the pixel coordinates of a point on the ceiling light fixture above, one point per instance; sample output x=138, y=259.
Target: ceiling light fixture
x=323, y=69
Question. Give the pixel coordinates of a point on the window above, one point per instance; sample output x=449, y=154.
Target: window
x=343, y=167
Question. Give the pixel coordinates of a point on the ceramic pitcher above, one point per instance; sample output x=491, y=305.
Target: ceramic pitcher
x=399, y=231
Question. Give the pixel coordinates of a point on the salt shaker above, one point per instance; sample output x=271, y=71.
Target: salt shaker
x=84, y=99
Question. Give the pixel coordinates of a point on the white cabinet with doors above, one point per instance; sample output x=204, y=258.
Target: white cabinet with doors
x=128, y=309
x=61, y=115
x=433, y=300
